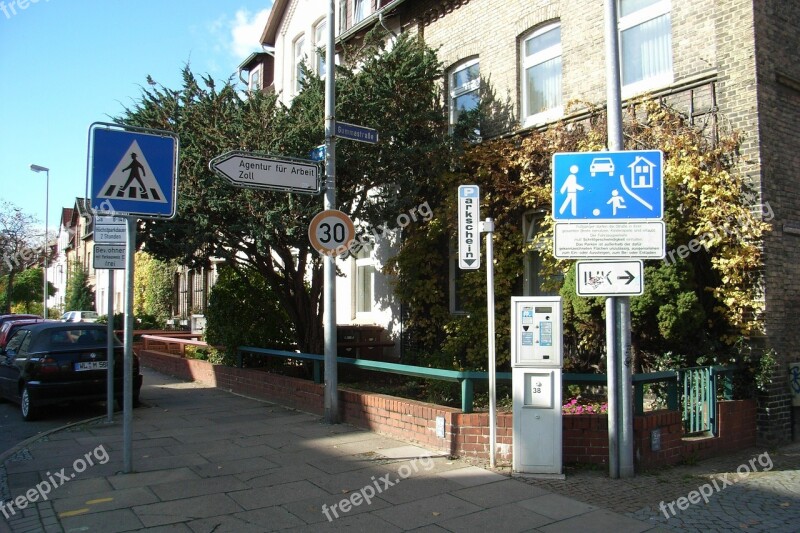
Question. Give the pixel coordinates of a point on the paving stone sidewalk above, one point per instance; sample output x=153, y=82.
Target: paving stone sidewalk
x=206, y=461
x=762, y=498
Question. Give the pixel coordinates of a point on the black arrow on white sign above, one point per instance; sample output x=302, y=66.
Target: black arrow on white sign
x=630, y=277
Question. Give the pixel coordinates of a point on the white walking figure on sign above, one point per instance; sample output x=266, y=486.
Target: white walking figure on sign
x=571, y=187
x=616, y=201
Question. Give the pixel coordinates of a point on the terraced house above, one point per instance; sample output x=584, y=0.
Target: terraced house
x=737, y=59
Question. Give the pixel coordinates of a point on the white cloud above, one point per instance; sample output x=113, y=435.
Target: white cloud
x=246, y=32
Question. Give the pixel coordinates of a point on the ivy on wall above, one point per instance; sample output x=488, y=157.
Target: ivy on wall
x=697, y=301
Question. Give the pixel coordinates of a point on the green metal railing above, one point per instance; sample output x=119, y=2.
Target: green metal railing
x=701, y=387
x=467, y=379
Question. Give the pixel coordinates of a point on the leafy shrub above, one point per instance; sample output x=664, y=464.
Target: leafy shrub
x=242, y=311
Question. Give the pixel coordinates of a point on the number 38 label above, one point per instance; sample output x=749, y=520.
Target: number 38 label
x=331, y=232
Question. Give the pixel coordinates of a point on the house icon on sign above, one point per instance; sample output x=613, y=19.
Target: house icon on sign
x=641, y=173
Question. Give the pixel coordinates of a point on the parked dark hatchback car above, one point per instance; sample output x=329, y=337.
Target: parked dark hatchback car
x=54, y=362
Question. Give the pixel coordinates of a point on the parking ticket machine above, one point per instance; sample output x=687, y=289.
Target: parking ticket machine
x=536, y=361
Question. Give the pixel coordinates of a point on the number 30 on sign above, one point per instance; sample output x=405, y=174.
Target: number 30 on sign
x=331, y=232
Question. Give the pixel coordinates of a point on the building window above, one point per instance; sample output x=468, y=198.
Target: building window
x=364, y=281
x=535, y=283
x=299, y=58
x=645, y=37
x=541, y=77
x=254, y=83
x=465, y=84
x=320, y=40
x=360, y=10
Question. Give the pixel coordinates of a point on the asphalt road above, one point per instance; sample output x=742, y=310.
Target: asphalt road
x=14, y=429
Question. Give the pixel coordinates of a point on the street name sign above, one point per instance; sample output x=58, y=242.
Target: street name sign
x=609, y=205
x=469, y=233
x=331, y=232
x=132, y=171
x=109, y=230
x=109, y=256
x=256, y=171
x=609, y=278
x=356, y=133
x=318, y=153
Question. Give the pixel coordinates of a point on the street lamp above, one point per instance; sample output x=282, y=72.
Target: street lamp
x=38, y=168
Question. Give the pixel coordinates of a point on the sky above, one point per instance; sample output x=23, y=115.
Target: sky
x=65, y=64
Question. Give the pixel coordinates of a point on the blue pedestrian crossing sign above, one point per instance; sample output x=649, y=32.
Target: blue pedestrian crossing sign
x=608, y=186
x=133, y=171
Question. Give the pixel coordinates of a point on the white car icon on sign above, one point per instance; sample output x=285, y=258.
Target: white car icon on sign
x=601, y=164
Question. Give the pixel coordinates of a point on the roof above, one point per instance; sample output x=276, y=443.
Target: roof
x=253, y=60
x=273, y=21
x=66, y=216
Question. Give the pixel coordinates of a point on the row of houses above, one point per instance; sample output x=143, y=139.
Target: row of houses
x=74, y=248
x=737, y=59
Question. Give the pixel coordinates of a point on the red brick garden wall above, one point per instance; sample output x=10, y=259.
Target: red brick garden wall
x=585, y=437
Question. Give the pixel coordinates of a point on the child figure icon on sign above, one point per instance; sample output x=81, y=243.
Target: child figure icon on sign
x=616, y=201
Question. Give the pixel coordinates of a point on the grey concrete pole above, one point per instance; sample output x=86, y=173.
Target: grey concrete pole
x=626, y=469
x=127, y=390
x=329, y=265
x=110, y=349
x=620, y=329
x=488, y=227
x=611, y=380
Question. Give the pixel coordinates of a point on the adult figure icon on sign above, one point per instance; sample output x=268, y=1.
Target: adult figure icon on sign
x=571, y=187
x=134, y=168
x=616, y=202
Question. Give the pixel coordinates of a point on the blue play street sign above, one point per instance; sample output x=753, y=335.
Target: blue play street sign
x=608, y=186
x=356, y=133
x=132, y=171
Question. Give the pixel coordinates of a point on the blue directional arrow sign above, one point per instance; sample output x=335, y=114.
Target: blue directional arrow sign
x=608, y=186
x=132, y=171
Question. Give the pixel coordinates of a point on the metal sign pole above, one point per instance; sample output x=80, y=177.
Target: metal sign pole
x=110, y=349
x=488, y=228
x=329, y=265
x=620, y=330
x=127, y=407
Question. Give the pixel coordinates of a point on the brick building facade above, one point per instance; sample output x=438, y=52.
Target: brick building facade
x=539, y=59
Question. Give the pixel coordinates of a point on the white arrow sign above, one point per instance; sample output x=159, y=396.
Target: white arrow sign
x=469, y=231
x=255, y=171
x=610, y=278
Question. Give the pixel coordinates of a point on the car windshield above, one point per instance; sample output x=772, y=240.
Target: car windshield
x=62, y=338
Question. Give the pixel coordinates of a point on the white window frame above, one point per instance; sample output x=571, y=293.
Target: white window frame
x=254, y=81
x=320, y=43
x=363, y=259
x=361, y=10
x=298, y=56
x=630, y=21
x=456, y=92
x=531, y=61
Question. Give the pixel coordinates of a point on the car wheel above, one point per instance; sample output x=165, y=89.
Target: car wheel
x=29, y=410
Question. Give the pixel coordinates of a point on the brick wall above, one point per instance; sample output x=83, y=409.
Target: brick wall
x=585, y=437
x=777, y=66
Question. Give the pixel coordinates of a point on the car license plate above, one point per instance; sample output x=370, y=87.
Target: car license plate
x=91, y=365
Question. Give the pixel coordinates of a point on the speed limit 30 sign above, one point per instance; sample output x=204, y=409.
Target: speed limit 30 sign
x=331, y=232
